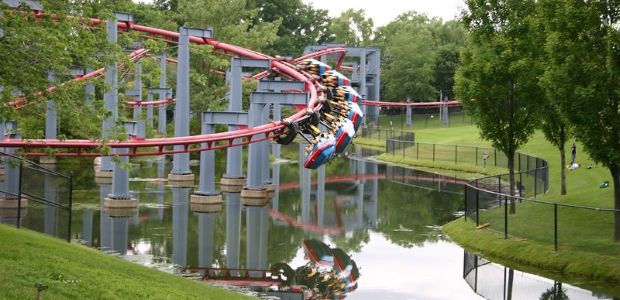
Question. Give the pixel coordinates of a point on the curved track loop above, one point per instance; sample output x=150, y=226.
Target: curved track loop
x=412, y=104
x=189, y=143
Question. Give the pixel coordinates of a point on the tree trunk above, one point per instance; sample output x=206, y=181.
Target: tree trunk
x=511, y=179
x=615, y=174
x=562, y=163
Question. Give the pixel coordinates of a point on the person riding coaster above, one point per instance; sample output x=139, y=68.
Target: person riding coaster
x=334, y=79
x=313, y=66
x=344, y=135
x=343, y=93
x=349, y=110
x=322, y=150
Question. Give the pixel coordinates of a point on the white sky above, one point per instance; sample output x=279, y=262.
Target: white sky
x=384, y=11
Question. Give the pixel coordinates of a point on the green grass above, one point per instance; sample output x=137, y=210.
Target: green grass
x=464, y=171
x=585, y=237
x=72, y=271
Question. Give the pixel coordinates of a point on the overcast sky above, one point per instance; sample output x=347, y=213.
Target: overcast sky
x=384, y=11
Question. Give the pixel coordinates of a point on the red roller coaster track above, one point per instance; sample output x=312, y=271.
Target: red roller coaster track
x=190, y=143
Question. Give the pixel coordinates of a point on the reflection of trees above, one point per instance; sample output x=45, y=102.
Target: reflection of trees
x=353, y=242
x=555, y=293
x=405, y=212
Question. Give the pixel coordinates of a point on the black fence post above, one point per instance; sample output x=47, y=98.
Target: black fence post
x=417, y=150
x=456, y=154
x=466, y=191
x=505, y=217
x=70, y=206
x=433, y=152
x=555, y=226
x=476, y=156
x=495, y=155
x=477, y=205
x=535, y=182
x=19, y=194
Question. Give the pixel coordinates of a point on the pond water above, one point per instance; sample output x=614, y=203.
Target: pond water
x=386, y=218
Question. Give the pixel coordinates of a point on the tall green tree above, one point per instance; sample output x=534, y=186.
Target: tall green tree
x=300, y=24
x=420, y=56
x=498, y=78
x=584, y=66
x=352, y=28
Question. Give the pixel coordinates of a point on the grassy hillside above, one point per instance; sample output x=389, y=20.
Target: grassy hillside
x=72, y=271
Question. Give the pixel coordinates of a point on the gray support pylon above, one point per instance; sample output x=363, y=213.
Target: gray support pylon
x=49, y=214
x=276, y=148
x=110, y=97
x=180, y=162
x=305, y=183
x=374, y=69
x=275, y=172
x=104, y=219
x=264, y=149
x=51, y=116
x=180, y=220
x=161, y=166
x=320, y=195
x=408, y=114
x=207, y=165
x=120, y=176
x=234, y=168
x=120, y=234
x=149, y=110
x=363, y=89
x=161, y=116
x=89, y=91
x=206, y=234
x=87, y=226
x=137, y=109
x=233, y=229
x=254, y=174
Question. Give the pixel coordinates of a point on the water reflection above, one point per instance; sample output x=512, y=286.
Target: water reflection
x=387, y=218
x=493, y=281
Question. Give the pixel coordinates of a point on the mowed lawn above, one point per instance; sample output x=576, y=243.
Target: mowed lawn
x=73, y=271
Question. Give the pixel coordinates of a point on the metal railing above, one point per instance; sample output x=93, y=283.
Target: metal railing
x=381, y=133
x=489, y=201
x=43, y=197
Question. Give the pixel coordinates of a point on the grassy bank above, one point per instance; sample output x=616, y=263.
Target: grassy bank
x=586, y=247
x=72, y=271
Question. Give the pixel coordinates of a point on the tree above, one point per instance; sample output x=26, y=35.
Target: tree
x=300, y=24
x=497, y=80
x=420, y=56
x=582, y=74
x=352, y=28
x=557, y=132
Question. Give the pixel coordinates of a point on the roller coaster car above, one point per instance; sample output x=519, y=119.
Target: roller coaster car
x=344, y=93
x=313, y=66
x=334, y=79
x=344, y=134
x=356, y=115
x=321, y=151
x=289, y=134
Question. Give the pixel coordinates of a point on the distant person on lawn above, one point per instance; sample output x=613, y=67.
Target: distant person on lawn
x=573, y=153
